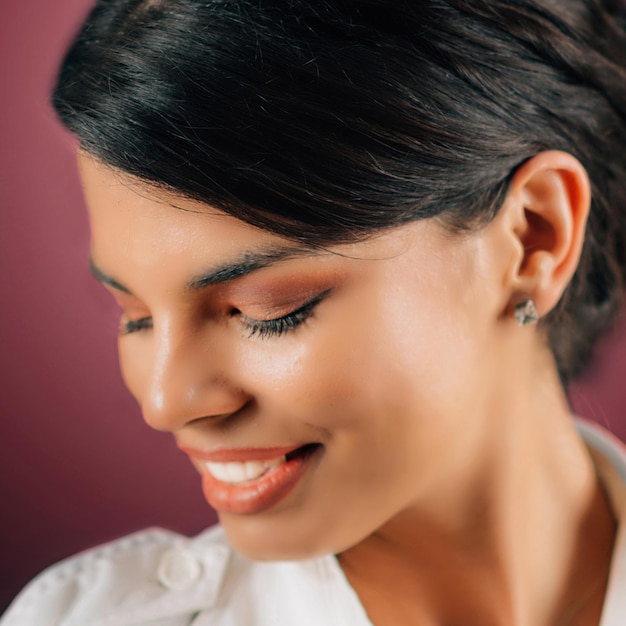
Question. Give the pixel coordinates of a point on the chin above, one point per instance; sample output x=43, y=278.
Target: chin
x=267, y=540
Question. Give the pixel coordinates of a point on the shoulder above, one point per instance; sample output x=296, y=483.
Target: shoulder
x=161, y=578
x=144, y=576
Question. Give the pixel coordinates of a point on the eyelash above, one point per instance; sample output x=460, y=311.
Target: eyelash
x=133, y=326
x=263, y=329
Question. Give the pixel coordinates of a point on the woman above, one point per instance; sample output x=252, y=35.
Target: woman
x=360, y=250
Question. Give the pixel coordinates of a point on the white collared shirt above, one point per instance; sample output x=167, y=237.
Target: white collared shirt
x=159, y=578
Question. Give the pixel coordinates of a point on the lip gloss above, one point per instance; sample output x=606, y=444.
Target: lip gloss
x=254, y=496
x=257, y=495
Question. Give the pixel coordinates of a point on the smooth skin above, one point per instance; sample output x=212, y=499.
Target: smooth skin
x=450, y=481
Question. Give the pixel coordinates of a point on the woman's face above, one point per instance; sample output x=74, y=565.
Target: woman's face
x=319, y=393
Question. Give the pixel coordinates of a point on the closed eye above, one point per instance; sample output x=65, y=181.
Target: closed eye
x=262, y=328
x=128, y=327
x=278, y=326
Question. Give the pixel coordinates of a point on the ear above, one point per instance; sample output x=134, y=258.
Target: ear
x=546, y=212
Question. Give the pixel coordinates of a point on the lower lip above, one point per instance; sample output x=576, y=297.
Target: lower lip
x=258, y=495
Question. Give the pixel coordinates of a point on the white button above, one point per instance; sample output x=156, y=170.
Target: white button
x=178, y=570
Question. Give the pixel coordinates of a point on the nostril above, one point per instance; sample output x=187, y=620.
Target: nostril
x=240, y=412
x=214, y=402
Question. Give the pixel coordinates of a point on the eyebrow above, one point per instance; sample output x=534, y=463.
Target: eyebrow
x=105, y=279
x=245, y=263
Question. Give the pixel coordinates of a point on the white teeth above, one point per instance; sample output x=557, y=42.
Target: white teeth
x=235, y=473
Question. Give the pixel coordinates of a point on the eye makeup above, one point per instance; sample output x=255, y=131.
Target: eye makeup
x=263, y=306
x=278, y=326
x=128, y=327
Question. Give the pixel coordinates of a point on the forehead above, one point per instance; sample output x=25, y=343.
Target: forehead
x=142, y=237
x=127, y=214
x=137, y=228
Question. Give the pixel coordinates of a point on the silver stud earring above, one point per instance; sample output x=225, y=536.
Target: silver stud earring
x=526, y=312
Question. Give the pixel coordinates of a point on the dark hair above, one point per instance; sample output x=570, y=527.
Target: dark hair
x=326, y=120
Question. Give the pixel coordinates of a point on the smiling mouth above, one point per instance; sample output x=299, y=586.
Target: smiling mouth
x=241, y=472
x=252, y=486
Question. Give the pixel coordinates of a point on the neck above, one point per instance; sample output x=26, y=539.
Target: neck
x=520, y=535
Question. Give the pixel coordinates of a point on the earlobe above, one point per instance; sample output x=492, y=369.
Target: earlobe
x=548, y=201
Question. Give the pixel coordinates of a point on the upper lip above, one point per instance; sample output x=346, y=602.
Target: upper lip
x=234, y=455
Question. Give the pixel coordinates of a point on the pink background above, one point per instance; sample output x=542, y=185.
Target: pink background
x=77, y=464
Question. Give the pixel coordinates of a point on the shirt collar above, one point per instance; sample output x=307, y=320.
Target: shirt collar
x=609, y=456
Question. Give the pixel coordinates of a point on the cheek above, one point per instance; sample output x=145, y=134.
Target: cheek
x=347, y=366
x=267, y=366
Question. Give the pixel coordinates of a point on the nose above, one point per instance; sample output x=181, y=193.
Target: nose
x=188, y=378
